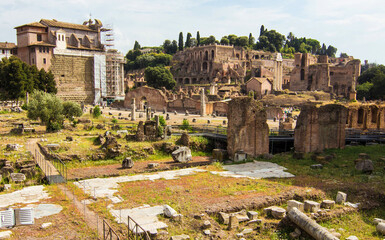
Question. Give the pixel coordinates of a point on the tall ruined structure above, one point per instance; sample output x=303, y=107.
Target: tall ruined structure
x=247, y=128
x=227, y=64
x=333, y=75
x=84, y=71
x=320, y=128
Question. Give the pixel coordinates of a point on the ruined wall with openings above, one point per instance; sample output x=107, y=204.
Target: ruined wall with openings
x=366, y=116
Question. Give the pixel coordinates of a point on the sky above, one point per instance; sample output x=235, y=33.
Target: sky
x=355, y=27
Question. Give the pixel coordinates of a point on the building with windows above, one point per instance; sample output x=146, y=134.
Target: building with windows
x=76, y=56
x=7, y=49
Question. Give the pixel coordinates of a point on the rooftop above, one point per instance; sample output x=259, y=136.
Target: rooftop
x=7, y=45
x=56, y=23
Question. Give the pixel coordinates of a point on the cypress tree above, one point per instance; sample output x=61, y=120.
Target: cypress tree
x=180, y=43
x=188, y=43
x=198, y=39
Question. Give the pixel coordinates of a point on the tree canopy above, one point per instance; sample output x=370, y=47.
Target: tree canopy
x=50, y=110
x=140, y=60
x=17, y=78
x=372, y=83
x=159, y=77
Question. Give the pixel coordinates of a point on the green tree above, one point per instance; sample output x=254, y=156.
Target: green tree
x=174, y=46
x=180, y=42
x=136, y=45
x=46, y=81
x=331, y=51
x=14, y=79
x=211, y=40
x=262, y=30
x=188, y=43
x=71, y=110
x=251, y=40
x=96, y=112
x=364, y=90
x=225, y=41
x=198, y=39
x=242, y=41
x=232, y=39
x=47, y=108
x=372, y=83
x=159, y=77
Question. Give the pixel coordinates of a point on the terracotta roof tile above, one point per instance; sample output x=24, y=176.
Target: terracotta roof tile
x=7, y=45
x=42, y=44
x=34, y=24
x=55, y=23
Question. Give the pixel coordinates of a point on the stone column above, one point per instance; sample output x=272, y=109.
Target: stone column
x=203, y=103
x=148, y=113
x=133, y=110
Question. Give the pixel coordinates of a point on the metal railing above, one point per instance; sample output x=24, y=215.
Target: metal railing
x=108, y=232
x=46, y=166
x=59, y=165
x=135, y=231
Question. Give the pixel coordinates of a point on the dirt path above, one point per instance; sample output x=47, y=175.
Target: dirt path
x=139, y=167
x=91, y=218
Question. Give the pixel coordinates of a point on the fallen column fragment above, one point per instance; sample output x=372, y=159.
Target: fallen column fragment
x=309, y=225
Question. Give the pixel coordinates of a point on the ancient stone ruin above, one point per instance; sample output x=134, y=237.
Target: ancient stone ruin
x=319, y=128
x=247, y=128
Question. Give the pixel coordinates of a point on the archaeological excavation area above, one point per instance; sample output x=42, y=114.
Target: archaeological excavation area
x=164, y=167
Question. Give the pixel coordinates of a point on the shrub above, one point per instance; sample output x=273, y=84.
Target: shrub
x=71, y=110
x=185, y=125
x=96, y=112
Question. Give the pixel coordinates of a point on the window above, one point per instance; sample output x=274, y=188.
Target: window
x=43, y=49
x=47, y=49
x=44, y=61
x=32, y=50
x=39, y=49
x=33, y=61
x=3, y=51
x=39, y=37
x=62, y=37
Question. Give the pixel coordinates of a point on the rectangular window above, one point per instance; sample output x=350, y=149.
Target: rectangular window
x=33, y=61
x=47, y=49
x=44, y=61
x=43, y=49
x=3, y=51
x=39, y=37
x=39, y=49
x=32, y=50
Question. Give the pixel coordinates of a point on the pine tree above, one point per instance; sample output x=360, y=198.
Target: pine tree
x=180, y=43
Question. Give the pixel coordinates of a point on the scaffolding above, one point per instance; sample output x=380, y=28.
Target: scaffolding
x=114, y=65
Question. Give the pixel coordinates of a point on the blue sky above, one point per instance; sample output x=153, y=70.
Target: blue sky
x=353, y=26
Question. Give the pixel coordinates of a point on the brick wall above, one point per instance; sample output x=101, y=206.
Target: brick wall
x=74, y=78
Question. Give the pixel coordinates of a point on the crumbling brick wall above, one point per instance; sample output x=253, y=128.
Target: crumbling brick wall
x=74, y=78
x=247, y=127
x=320, y=128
